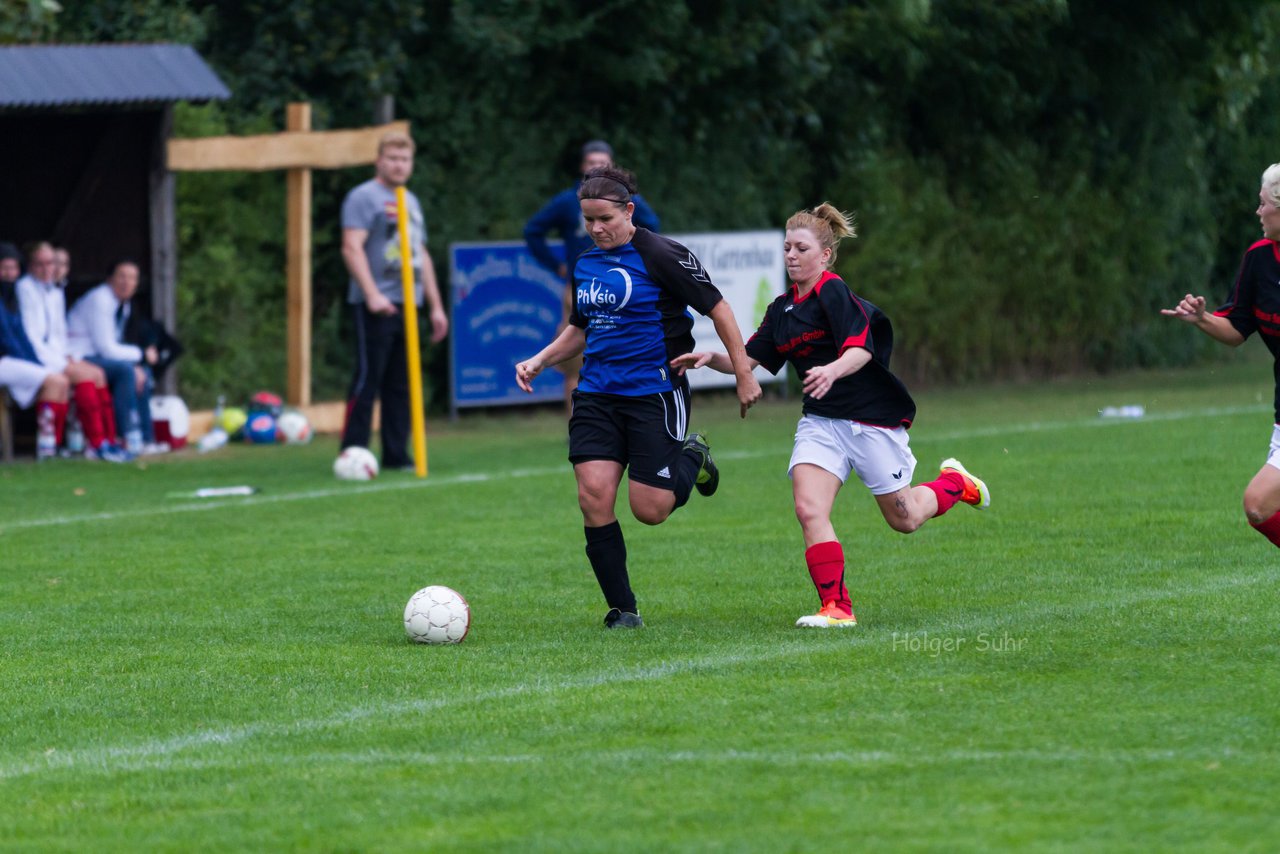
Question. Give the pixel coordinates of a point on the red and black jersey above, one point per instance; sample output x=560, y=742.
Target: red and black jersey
x=815, y=330
x=1254, y=303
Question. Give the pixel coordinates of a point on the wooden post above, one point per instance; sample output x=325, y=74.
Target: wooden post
x=164, y=242
x=298, y=150
x=298, y=267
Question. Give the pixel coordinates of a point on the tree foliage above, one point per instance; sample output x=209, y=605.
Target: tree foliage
x=1032, y=178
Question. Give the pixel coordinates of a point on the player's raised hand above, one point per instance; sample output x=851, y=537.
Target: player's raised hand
x=819, y=379
x=1190, y=308
x=525, y=372
x=689, y=362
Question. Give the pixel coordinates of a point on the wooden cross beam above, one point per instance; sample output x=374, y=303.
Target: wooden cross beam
x=298, y=150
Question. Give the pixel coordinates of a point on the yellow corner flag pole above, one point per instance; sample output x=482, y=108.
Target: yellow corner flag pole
x=411, y=337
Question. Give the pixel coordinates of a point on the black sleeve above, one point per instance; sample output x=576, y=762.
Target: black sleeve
x=850, y=325
x=1238, y=309
x=677, y=270
x=762, y=347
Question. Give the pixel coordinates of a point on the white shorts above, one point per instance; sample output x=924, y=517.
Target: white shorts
x=880, y=455
x=22, y=378
x=1273, y=454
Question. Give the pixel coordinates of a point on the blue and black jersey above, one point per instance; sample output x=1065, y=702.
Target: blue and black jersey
x=815, y=330
x=1254, y=303
x=633, y=302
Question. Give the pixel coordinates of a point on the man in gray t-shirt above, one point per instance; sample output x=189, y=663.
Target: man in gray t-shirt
x=371, y=251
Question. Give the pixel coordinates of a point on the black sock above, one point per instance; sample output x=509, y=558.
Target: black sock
x=688, y=465
x=608, y=555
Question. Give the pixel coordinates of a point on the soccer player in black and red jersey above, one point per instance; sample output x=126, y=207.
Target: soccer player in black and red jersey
x=1253, y=306
x=855, y=414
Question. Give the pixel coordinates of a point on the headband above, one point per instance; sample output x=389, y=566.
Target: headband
x=625, y=191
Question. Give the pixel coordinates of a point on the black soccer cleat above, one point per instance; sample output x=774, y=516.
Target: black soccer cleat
x=617, y=619
x=708, y=475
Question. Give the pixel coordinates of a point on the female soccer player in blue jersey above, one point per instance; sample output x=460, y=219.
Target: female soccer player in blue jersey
x=1253, y=306
x=855, y=412
x=633, y=290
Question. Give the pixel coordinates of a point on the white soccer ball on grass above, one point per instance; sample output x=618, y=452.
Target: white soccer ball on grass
x=355, y=464
x=437, y=614
x=293, y=427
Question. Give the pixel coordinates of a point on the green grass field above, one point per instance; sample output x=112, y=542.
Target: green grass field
x=1089, y=665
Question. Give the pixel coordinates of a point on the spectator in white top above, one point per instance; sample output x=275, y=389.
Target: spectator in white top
x=95, y=332
x=43, y=306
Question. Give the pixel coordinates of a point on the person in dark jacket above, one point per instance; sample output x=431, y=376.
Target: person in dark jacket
x=562, y=216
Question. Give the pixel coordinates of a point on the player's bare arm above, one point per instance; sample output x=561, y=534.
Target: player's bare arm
x=819, y=380
x=706, y=359
x=353, y=240
x=431, y=293
x=1191, y=309
x=569, y=343
x=727, y=329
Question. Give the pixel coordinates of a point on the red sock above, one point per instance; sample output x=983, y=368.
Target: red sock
x=59, y=418
x=826, y=568
x=88, y=409
x=948, y=486
x=108, y=410
x=1270, y=529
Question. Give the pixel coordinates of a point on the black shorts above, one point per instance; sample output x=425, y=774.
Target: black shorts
x=646, y=434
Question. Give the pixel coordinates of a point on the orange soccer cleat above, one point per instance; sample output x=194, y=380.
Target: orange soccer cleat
x=975, y=492
x=828, y=616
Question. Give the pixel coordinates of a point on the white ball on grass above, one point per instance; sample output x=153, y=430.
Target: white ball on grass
x=355, y=464
x=437, y=614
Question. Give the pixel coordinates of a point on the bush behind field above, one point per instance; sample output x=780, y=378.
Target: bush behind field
x=1033, y=179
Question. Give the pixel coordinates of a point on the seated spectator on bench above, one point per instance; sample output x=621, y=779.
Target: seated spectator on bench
x=43, y=308
x=21, y=373
x=61, y=267
x=10, y=271
x=95, y=333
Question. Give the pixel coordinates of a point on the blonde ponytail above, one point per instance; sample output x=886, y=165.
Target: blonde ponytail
x=827, y=223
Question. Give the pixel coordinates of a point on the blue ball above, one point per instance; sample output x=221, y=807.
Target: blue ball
x=260, y=428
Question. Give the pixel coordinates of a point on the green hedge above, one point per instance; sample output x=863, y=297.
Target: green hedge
x=1033, y=179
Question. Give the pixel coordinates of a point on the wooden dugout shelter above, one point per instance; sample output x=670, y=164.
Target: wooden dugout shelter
x=89, y=162
x=83, y=135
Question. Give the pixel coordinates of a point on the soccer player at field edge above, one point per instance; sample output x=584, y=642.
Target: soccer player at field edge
x=371, y=251
x=855, y=412
x=95, y=333
x=562, y=215
x=43, y=307
x=632, y=293
x=1253, y=306
x=28, y=381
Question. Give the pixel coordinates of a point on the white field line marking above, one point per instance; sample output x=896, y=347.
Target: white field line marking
x=563, y=469
x=158, y=754
x=854, y=759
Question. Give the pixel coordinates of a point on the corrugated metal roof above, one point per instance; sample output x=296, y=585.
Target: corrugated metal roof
x=64, y=75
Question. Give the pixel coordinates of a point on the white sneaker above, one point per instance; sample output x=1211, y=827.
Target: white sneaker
x=830, y=616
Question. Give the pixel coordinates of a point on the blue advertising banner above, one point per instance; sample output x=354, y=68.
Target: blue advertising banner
x=505, y=308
